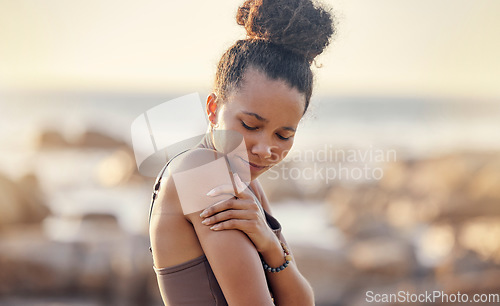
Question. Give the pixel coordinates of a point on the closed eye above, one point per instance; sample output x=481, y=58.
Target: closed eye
x=251, y=128
x=283, y=138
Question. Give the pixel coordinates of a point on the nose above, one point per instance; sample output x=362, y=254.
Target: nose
x=262, y=149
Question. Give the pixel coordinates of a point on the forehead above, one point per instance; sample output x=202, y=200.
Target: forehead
x=271, y=99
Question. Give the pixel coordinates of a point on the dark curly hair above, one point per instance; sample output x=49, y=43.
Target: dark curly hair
x=283, y=38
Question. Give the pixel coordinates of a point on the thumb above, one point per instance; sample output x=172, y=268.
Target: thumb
x=240, y=186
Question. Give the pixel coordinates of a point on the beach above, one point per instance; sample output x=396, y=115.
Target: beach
x=378, y=193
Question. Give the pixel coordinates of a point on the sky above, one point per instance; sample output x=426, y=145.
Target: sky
x=384, y=47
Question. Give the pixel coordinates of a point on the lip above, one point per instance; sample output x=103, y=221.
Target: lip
x=254, y=166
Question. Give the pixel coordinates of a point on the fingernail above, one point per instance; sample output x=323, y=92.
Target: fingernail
x=203, y=214
x=211, y=192
x=214, y=227
x=205, y=221
x=237, y=177
x=239, y=183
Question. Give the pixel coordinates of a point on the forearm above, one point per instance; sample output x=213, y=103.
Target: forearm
x=288, y=286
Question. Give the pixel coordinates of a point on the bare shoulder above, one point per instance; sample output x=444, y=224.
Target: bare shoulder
x=179, y=168
x=196, y=173
x=192, y=159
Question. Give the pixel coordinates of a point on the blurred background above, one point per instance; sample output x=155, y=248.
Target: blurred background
x=409, y=92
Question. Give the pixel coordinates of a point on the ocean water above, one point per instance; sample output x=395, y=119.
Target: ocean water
x=420, y=125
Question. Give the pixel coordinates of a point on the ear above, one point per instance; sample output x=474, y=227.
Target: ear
x=211, y=109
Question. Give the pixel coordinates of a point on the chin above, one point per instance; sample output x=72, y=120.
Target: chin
x=256, y=174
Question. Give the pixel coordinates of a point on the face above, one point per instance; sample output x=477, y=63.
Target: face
x=266, y=113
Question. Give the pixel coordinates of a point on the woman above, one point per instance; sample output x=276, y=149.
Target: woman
x=233, y=252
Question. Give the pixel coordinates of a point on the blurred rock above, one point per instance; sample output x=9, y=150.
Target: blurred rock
x=21, y=202
x=395, y=177
x=426, y=225
x=95, y=139
x=442, y=175
x=116, y=269
x=435, y=244
x=433, y=224
x=482, y=235
x=117, y=168
x=447, y=189
x=30, y=263
x=51, y=140
x=485, y=182
x=357, y=210
x=329, y=273
x=383, y=256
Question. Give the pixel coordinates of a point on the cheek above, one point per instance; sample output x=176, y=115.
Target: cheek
x=225, y=118
x=281, y=151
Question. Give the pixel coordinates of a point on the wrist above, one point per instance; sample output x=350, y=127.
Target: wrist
x=287, y=259
x=273, y=255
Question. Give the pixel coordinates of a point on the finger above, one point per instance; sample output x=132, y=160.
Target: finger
x=240, y=186
x=243, y=191
x=228, y=204
x=239, y=224
x=230, y=214
x=205, y=212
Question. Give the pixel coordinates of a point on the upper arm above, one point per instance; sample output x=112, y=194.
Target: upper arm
x=235, y=263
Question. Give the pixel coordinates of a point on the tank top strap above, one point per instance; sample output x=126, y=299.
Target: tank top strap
x=156, y=188
x=271, y=221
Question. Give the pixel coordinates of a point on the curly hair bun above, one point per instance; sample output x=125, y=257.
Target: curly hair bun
x=298, y=25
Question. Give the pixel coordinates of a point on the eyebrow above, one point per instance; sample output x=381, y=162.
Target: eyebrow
x=260, y=118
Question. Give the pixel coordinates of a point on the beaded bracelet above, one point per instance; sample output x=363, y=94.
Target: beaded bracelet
x=288, y=258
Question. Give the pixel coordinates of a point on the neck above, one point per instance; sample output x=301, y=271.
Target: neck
x=206, y=142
